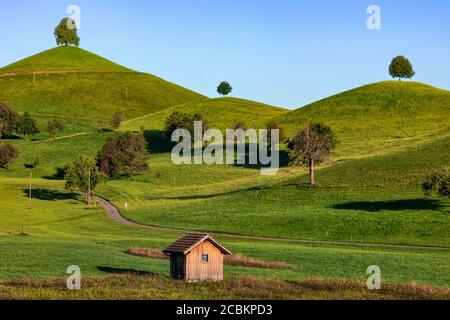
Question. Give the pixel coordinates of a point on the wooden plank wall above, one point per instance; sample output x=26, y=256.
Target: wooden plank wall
x=196, y=270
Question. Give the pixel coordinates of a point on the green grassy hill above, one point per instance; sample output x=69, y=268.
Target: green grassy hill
x=83, y=88
x=378, y=117
x=63, y=59
x=221, y=113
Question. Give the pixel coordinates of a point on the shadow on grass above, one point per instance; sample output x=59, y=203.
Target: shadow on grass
x=157, y=142
x=210, y=196
x=58, y=175
x=126, y=271
x=394, y=205
x=50, y=195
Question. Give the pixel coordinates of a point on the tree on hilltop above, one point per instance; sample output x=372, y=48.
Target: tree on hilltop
x=224, y=88
x=401, y=68
x=66, y=33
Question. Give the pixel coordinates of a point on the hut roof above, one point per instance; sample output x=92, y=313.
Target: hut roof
x=189, y=241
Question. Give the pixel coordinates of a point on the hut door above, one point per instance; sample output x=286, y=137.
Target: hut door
x=178, y=267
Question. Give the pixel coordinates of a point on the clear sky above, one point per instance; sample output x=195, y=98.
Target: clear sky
x=282, y=52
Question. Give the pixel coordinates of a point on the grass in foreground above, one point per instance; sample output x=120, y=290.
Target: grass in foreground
x=135, y=287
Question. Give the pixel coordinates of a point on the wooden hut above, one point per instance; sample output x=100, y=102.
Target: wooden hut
x=196, y=257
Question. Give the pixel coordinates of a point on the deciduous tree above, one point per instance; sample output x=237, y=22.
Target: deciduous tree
x=9, y=120
x=8, y=153
x=66, y=33
x=224, y=88
x=83, y=175
x=401, y=68
x=311, y=146
x=27, y=126
x=125, y=155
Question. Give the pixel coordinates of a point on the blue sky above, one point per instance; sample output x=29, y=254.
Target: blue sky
x=282, y=52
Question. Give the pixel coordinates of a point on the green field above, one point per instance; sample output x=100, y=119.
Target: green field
x=378, y=118
x=368, y=203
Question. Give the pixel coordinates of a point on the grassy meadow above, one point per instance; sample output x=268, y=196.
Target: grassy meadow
x=391, y=135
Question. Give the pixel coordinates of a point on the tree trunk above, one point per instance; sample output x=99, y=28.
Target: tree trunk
x=312, y=175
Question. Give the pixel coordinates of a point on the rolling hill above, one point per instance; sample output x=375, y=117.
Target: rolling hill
x=84, y=88
x=221, y=113
x=379, y=117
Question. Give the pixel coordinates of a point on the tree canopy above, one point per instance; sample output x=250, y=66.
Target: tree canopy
x=9, y=120
x=66, y=33
x=83, y=175
x=312, y=145
x=8, y=153
x=224, y=88
x=401, y=68
x=124, y=155
x=27, y=126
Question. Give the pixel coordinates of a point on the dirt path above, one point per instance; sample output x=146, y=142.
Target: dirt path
x=113, y=213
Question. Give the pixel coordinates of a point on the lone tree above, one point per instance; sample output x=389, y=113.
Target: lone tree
x=438, y=183
x=224, y=88
x=27, y=126
x=8, y=153
x=9, y=120
x=83, y=175
x=124, y=155
x=312, y=145
x=53, y=127
x=401, y=68
x=66, y=33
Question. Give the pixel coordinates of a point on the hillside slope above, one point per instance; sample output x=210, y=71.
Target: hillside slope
x=81, y=87
x=221, y=113
x=379, y=117
x=63, y=59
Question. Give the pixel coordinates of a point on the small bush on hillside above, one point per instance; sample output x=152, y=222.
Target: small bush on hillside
x=438, y=183
x=178, y=120
x=272, y=125
x=53, y=127
x=8, y=153
x=125, y=155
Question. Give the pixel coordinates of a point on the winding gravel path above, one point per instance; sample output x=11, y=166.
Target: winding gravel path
x=113, y=213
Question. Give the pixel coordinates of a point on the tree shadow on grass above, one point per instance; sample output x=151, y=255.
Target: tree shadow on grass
x=58, y=175
x=50, y=195
x=157, y=142
x=126, y=271
x=394, y=205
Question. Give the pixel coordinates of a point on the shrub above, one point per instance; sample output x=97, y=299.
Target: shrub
x=438, y=183
x=8, y=153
